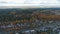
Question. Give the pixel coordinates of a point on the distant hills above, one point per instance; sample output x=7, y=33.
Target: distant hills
x=26, y=10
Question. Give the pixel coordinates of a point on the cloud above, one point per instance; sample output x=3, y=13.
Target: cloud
x=3, y=2
x=40, y=3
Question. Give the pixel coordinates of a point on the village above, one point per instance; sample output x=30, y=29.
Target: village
x=34, y=22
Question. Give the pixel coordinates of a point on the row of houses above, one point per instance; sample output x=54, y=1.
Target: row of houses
x=32, y=28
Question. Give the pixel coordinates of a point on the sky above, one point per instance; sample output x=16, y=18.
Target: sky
x=37, y=3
